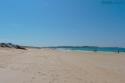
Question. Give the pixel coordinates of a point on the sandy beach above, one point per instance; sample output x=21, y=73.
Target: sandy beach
x=52, y=66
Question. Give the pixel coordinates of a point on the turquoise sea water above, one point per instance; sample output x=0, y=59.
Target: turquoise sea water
x=93, y=49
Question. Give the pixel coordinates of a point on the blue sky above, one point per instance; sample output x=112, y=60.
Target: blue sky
x=62, y=22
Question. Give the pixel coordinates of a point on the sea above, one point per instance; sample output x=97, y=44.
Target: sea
x=92, y=49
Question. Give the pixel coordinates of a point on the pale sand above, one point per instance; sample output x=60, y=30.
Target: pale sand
x=51, y=66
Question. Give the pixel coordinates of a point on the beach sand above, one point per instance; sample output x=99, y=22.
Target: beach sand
x=52, y=66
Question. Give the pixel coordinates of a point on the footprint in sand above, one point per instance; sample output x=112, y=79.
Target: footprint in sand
x=2, y=66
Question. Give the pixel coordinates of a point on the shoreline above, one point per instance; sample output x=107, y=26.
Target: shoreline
x=85, y=51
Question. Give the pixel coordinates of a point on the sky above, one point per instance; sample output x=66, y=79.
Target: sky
x=62, y=22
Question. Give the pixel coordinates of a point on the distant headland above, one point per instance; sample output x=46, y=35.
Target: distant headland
x=10, y=45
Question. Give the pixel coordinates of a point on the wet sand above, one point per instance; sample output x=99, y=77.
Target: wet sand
x=52, y=66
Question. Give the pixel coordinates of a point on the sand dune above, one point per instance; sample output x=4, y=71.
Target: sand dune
x=51, y=66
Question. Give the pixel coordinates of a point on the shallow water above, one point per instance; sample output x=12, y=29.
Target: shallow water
x=99, y=49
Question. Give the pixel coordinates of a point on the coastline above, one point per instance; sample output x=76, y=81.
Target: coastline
x=53, y=66
x=85, y=51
